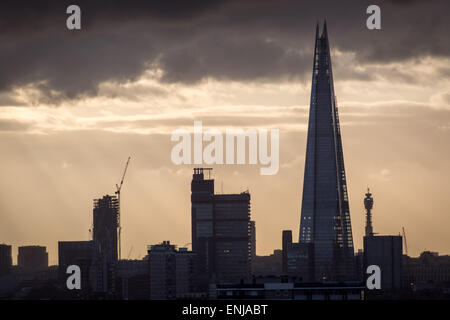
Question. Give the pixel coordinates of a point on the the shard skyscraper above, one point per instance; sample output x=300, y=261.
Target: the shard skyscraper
x=325, y=217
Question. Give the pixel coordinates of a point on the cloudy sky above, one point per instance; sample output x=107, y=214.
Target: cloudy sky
x=75, y=104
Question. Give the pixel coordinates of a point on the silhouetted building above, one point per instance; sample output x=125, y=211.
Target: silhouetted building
x=300, y=261
x=105, y=217
x=286, y=241
x=162, y=271
x=429, y=271
x=80, y=253
x=253, y=239
x=5, y=259
x=133, y=280
x=8, y=281
x=276, y=288
x=359, y=265
x=385, y=252
x=32, y=259
x=325, y=217
x=270, y=265
x=185, y=271
x=221, y=234
x=202, y=223
x=232, y=238
x=171, y=271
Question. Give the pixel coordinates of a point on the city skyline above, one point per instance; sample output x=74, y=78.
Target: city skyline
x=66, y=134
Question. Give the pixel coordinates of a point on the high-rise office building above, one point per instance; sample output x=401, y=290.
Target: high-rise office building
x=221, y=231
x=232, y=236
x=202, y=223
x=325, y=215
x=5, y=259
x=32, y=258
x=105, y=215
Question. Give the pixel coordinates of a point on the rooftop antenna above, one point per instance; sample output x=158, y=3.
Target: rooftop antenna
x=209, y=172
x=118, y=188
x=404, y=238
x=129, y=253
x=200, y=171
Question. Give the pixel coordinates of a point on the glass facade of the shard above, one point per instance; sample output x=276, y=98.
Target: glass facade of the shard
x=325, y=216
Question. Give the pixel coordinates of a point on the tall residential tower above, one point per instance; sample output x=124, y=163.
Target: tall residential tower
x=325, y=216
x=106, y=212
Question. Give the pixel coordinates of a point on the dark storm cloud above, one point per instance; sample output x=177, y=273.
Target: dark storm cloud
x=193, y=40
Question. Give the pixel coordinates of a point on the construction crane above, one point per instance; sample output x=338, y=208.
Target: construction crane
x=404, y=238
x=129, y=253
x=118, y=188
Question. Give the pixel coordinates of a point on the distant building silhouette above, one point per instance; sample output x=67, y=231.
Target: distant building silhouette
x=133, y=280
x=8, y=281
x=32, y=259
x=286, y=241
x=80, y=253
x=385, y=252
x=270, y=265
x=171, y=271
x=325, y=215
x=105, y=215
x=231, y=235
x=300, y=261
x=253, y=239
x=221, y=231
x=428, y=271
x=359, y=265
x=277, y=288
x=5, y=259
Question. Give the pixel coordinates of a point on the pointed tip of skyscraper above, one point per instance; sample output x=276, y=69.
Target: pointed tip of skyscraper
x=324, y=30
